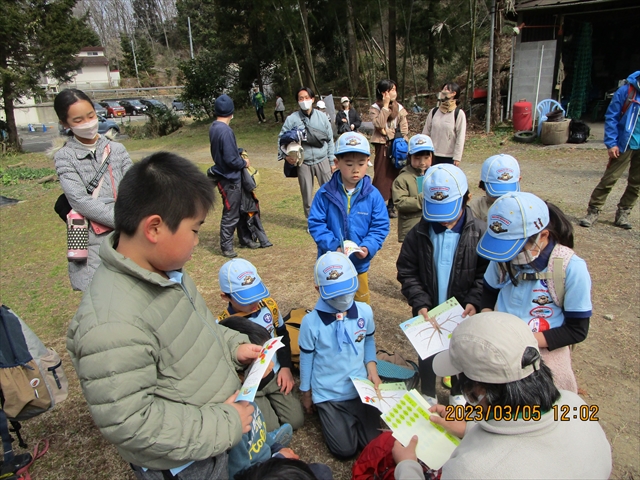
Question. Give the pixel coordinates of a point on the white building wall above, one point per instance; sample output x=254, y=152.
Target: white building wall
x=525, y=70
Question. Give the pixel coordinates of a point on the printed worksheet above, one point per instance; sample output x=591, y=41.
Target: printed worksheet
x=349, y=247
x=390, y=393
x=427, y=339
x=409, y=417
x=258, y=368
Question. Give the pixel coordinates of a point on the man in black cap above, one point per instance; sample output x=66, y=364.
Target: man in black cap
x=226, y=173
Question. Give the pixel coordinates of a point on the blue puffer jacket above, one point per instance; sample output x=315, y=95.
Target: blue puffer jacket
x=619, y=128
x=366, y=223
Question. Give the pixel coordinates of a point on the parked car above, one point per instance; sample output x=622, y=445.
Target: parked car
x=152, y=103
x=133, y=107
x=177, y=104
x=106, y=127
x=114, y=109
x=100, y=110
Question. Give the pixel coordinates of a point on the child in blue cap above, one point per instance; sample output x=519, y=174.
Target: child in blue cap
x=407, y=187
x=438, y=259
x=248, y=297
x=500, y=174
x=349, y=207
x=534, y=274
x=336, y=343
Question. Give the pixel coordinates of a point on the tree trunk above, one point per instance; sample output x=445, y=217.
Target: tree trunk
x=432, y=49
x=286, y=67
x=308, y=59
x=496, y=100
x=384, y=43
x=393, y=65
x=353, y=49
x=344, y=55
x=7, y=98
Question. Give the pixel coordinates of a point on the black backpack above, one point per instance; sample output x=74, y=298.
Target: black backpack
x=578, y=132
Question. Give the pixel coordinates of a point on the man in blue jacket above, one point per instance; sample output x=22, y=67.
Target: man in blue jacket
x=349, y=207
x=622, y=138
x=227, y=173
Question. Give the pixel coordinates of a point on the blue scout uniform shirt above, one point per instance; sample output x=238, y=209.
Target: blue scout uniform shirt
x=445, y=242
x=530, y=299
x=264, y=318
x=330, y=369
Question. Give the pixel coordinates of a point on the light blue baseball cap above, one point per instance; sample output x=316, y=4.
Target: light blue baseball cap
x=500, y=174
x=335, y=275
x=420, y=143
x=240, y=279
x=511, y=220
x=443, y=188
x=352, y=142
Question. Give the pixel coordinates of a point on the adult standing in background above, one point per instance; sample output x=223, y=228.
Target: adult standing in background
x=318, y=149
x=258, y=101
x=348, y=119
x=447, y=126
x=387, y=115
x=279, y=110
x=227, y=175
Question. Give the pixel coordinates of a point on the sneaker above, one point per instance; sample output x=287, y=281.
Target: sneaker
x=591, y=218
x=308, y=231
x=457, y=400
x=622, y=218
x=446, y=382
x=266, y=245
x=251, y=245
x=369, y=163
x=430, y=400
x=282, y=435
x=229, y=253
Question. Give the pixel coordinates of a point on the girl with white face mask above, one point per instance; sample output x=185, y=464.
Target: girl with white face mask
x=535, y=275
x=78, y=164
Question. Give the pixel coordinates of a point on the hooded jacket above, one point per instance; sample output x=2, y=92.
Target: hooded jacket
x=416, y=268
x=366, y=223
x=406, y=200
x=618, y=128
x=154, y=366
x=76, y=166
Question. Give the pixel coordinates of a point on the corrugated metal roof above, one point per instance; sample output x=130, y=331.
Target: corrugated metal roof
x=531, y=4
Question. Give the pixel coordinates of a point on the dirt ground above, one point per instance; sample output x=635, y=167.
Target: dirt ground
x=606, y=364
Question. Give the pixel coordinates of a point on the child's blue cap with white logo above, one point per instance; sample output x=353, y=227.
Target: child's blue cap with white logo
x=352, y=142
x=335, y=275
x=511, y=221
x=240, y=279
x=500, y=174
x=420, y=143
x=443, y=188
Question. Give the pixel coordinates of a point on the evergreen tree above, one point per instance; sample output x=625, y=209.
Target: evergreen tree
x=39, y=37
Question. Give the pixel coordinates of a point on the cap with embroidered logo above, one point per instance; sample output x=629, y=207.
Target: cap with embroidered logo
x=352, y=142
x=443, y=187
x=511, y=220
x=500, y=174
x=335, y=275
x=240, y=279
x=420, y=143
x=488, y=348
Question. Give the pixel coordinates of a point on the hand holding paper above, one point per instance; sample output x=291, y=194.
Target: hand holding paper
x=383, y=398
x=257, y=370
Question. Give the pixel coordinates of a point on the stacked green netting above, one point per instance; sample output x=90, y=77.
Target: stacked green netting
x=581, y=74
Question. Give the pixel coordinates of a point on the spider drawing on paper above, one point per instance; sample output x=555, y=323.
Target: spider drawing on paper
x=445, y=328
x=394, y=396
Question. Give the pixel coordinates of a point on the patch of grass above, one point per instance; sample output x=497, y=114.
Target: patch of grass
x=11, y=176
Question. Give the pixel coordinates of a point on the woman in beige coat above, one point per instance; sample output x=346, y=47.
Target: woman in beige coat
x=386, y=114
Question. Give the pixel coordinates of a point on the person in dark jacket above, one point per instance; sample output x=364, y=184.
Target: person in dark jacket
x=348, y=119
x=438, y=259
x=227, y=174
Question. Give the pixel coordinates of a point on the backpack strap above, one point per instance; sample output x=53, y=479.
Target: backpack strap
x=555, y=274
x=268, y=302
x=627, y=102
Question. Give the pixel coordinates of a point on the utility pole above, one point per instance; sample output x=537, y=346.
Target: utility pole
x=190, y=37
x=135, y=62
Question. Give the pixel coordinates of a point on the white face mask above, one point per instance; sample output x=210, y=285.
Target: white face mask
x=342, y=303
x=88, y=130
x=305, y=104
x=525, y=257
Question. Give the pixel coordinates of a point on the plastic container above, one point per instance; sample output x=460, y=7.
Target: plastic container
x=522, y=116
x=479, y=93
x=555, y=133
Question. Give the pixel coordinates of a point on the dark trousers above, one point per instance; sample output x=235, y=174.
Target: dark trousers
x=231, y=199
x=276, y=112
x=260, y=113
x=216, y=468
x=438, y=160
x=428, y=378
x=348, y=426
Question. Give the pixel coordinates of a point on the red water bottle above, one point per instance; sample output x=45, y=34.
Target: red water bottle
x=77, y=237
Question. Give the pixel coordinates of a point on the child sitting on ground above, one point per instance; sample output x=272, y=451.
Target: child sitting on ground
x=349, y=207
x=157, y=371
x=500, y=174
x=248, y=297
x=407, y=187
x=438, y=259
x=336, y=343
